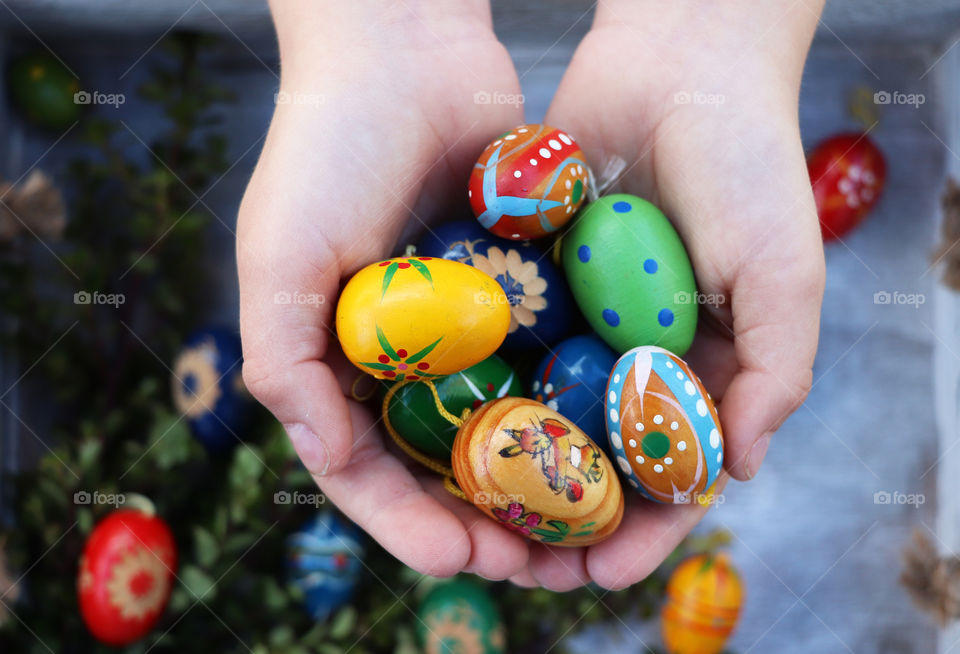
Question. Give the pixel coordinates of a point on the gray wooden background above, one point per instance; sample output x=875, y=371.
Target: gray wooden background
x=819, y=553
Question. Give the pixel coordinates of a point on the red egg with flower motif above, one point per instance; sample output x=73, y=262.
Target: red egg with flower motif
x=126, y=574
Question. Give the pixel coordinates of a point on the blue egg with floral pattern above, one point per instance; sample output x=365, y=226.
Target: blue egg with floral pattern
x=207, y=387
x=572, y=380
x=540, y=302
x=324, y=560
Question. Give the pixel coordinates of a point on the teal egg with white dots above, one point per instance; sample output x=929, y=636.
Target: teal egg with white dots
x=630, y=275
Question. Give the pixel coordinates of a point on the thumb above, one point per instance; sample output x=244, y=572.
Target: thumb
x=288, y=288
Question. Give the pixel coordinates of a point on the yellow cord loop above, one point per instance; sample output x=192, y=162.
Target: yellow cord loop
x=356, y=382
x=429, y=462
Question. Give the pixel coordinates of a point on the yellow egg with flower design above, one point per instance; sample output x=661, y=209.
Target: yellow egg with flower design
x=420, y=317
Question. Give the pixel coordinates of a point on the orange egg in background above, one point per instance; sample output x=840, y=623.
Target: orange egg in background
x=703, y=600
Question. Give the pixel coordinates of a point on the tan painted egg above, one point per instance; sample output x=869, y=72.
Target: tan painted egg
x=532, y=470
x=662, y=425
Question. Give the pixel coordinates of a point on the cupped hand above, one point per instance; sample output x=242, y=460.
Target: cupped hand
x=700, y=101
x=374, y=135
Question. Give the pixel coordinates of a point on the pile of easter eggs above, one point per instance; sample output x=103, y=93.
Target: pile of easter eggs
x=450, y=329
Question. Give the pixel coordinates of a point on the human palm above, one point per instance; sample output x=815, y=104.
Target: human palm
x=386, y=148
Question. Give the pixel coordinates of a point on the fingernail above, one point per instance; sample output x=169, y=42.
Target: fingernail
x=311, y=450
x=757, y=452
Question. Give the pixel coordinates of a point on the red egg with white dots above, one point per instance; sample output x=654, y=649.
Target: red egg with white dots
x=125, y=577
x=528, y=182
x=848, y=173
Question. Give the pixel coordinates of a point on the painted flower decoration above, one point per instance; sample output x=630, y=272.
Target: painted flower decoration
x=139, y=583
x=398, y=364
x=514, y=519
x=452, y=631
x=393, y=265
x=196, y=382
x=520, y=281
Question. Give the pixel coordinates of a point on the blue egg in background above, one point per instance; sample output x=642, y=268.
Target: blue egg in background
x=541, y=307
x=208, y=388
x=324, y=560
x=573, y=380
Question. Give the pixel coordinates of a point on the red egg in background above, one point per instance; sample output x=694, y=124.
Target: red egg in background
x=126, y=574
x=847, y=172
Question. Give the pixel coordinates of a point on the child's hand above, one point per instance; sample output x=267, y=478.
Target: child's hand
x=700, y=99
x=379, y=124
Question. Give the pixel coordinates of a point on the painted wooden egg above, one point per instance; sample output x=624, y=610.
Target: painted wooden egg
x=420, y=317
x=413, y=410
x=45, y=91
x=529, y=182
x=630, y=275
x=324, y=561
x=126, y=573
x=207, y=387
x=572, y=380
x=704, y=596
x=540, y=303
x=848, y=173
x=537, y=474
x=662, y=426
x=460, y=616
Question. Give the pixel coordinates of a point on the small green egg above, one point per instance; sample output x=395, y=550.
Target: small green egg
x=460, y=616
x=413, y=410
x=631, y=275
x=44, y=91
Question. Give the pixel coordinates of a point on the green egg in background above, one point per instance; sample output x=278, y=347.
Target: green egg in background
x=43, y=90
x=630, y=275
x=413, y=410
x=460, y=616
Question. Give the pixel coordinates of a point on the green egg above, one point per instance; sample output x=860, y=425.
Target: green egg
x=460, y=616
x=413, y=410
x=44, y=90
x=630, y=275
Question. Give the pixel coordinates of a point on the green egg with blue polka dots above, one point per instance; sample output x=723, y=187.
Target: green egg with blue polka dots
x=631, y=275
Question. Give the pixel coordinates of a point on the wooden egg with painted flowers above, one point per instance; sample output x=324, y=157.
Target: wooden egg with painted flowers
x=704, y=597
x=420, y=318
x=528, y=182
x=662, y=426
x=537, y=474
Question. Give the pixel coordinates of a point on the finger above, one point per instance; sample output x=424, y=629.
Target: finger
x=495, y=553
x=776, y=312
x=382, y=496
x=524, y=579
x=648, y=534
x=559, y=569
